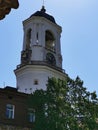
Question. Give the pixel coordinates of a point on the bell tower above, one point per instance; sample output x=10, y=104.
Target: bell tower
x=41, y=53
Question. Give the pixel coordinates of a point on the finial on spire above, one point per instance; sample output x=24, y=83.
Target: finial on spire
x=43, y=7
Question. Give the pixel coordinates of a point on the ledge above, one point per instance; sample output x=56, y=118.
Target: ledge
x=41, y=63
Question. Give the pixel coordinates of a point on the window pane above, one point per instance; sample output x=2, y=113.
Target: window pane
x=10, y=111
x=31, y=115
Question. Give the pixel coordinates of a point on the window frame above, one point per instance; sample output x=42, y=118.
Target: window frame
x=10, y=111
x=31, y=115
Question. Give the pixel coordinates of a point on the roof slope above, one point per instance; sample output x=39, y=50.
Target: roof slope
x=42, y=13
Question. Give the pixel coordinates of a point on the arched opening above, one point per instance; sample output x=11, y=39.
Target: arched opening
x=28, y=39
x=26, y=54
x=49, y=41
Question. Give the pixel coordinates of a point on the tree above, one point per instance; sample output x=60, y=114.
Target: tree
x=37, y=102
x=6, y=5
x=65, y=105
x=85, y=104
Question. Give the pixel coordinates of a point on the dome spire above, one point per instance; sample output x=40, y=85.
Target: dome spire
x=43, y=7
x=43, y=2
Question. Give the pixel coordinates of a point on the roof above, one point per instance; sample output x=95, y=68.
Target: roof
x=42, y=13
x=12, y=91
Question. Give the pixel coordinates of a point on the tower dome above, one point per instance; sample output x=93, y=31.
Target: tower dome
x=42, y=13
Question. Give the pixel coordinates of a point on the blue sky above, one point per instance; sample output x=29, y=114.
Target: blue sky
x=79, y=39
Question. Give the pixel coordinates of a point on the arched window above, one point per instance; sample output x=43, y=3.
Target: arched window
x=28, y=39
x=49, y=41
x=37, y=38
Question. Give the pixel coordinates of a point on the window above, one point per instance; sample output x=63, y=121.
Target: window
x=10, y=111
x=35, y=82
x=31, y=115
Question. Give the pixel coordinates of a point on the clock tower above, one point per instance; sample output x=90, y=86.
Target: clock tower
x=41, y=53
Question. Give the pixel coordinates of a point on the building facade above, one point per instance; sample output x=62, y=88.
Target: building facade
x=15, y=112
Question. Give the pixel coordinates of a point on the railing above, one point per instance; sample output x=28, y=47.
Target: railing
x=45, y=63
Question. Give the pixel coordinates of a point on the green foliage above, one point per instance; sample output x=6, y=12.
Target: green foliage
x=65, y=105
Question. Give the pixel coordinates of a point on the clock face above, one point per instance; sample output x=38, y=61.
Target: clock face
x=50, y=58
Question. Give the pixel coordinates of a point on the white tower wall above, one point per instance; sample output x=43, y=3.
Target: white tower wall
x=41, y=54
